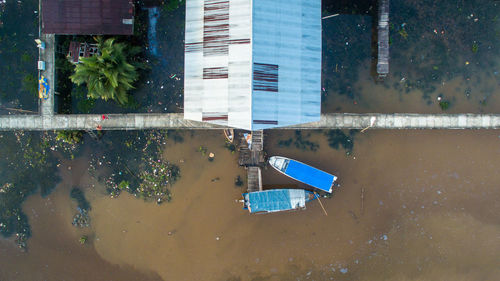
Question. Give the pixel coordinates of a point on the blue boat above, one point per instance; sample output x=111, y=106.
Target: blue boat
x=276, y=200
x=304, y=173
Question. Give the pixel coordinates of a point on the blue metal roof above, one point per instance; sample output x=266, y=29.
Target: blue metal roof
x=286, y=54
x=310, y=175
x=276, y=200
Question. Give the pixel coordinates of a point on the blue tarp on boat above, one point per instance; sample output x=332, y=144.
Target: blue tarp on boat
x=310, y=175
x=276, y=200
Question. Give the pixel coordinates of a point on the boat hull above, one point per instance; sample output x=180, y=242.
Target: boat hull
x=304, y=173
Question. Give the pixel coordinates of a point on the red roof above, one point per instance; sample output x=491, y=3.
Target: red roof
x=89, y=17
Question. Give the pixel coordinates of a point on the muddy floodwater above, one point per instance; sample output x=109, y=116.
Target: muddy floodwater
x=429, y=212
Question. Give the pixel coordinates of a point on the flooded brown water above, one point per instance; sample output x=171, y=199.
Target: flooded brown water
x=430, y=212
x=482, y=97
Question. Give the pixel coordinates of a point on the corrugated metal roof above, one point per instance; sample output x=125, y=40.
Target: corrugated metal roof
x=253, y=64
x=92, y=17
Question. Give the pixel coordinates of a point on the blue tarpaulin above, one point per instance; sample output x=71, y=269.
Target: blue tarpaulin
x=310, y=175
x=276, y=200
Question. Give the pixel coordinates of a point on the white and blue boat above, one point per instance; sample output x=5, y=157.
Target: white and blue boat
x=304, y=173
x=276, y=200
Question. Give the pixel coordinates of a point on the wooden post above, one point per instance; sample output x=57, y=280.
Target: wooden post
x=362, y=200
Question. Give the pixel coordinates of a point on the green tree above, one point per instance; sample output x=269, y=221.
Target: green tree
x=70, y=136
x=110, y=74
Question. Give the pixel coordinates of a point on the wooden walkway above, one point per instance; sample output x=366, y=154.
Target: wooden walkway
x=383, y=39
x=254, y=179
x=253, y=159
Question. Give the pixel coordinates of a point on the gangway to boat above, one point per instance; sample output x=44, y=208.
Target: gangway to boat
x=254, y=181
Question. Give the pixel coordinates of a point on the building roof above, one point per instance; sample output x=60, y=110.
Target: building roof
x=90, y=17
x=253, y=64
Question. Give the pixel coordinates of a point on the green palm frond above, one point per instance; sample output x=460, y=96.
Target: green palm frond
x=111, y=74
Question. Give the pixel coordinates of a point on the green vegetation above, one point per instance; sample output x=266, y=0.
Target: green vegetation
x=135, y=164
x=26, y=57
x=83, y=239
x=403, y=33
x=70, y=136
x=63, y=68
x=12, y=218
x=84, y=104
x=301, y=142
x=475, y=47
x=67, y=142
x=203, y=150
x=111, y=74
x=30, y=84
x=171, y=5
x=27, y=165
x=444, y=105
x=123, y=185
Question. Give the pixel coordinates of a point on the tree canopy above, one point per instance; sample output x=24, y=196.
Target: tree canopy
x=111, y=73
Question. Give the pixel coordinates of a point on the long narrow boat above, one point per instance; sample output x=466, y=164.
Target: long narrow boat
x=304, y=173
x=276, y=200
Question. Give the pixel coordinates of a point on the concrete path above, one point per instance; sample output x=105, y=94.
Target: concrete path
x=46, y=107
x=176, y=121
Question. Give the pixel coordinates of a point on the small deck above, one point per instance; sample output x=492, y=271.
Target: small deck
x=255, y=156
x=252, y=159
x=254, y=179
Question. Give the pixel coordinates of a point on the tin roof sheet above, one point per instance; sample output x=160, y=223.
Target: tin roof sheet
x=253, y=64
x=91, y=17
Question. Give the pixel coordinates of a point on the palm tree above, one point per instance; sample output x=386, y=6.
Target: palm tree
x=110, y=74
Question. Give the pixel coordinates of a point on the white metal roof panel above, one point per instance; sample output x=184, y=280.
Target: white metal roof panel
x=253, y=64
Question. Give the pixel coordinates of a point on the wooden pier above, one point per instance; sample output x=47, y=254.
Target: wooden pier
x=254, y=179
x=383, y=39
x=253, y=159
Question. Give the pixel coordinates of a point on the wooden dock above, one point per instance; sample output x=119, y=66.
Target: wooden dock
x=254, y=179
x=383, y=39
x=254, y=156
x=253, y=159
